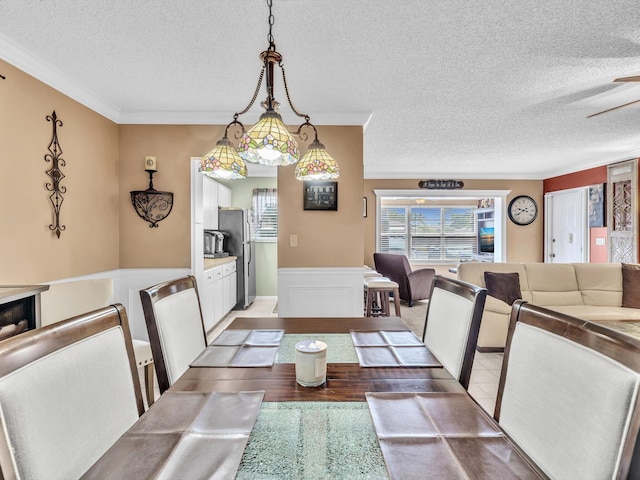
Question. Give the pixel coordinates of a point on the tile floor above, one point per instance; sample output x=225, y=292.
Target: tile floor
x=485, y=373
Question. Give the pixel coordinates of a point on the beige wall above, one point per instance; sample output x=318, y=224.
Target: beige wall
x=30, y=252
x=325, y=238
x=169, y=245
x=524, y=243
x=105, y=162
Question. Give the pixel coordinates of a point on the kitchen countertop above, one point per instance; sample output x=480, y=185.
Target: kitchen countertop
x=210, y=263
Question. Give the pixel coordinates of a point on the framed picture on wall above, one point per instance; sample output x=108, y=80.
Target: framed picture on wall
x=321, y=195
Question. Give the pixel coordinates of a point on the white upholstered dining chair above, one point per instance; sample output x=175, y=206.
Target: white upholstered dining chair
x=176, y=330
x=568, y=394
x=68, y=391
x=67, y=299
x=452, y=324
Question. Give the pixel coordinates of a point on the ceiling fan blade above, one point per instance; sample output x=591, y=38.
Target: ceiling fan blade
x=614, y=108
x=635, y=78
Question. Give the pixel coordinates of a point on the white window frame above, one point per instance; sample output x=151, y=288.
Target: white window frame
x=500, y=213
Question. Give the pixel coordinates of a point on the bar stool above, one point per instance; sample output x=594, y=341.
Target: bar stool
x=369, y=272
x=379, y=289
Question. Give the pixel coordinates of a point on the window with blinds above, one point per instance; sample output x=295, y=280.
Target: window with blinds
x=429, y=233
x=265, y=212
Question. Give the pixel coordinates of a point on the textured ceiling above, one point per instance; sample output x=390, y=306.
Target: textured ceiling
x=446, y=88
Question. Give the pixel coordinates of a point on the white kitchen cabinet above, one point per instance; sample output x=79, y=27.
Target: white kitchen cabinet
x=218, y=298
x=209, y=203
x=207, y=300
x=224, y=196
x=229, y=286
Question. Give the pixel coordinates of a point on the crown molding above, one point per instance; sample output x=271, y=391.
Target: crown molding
x=41, y=70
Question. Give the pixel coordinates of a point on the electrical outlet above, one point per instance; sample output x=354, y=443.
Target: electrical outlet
x=293, y=240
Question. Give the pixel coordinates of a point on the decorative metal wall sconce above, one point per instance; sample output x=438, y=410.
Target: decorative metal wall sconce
x=56, y=174
x=150, y=204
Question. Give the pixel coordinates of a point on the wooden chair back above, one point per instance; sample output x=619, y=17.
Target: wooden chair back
x=68, y=391
x=569, y=394
x=174, y=322
x=452, y=324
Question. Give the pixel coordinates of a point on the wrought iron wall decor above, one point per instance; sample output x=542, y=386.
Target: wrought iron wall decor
x=622, y=217
x=54, y=156
x=150, y=204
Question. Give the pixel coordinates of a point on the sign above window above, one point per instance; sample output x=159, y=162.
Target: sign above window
x=441, y=184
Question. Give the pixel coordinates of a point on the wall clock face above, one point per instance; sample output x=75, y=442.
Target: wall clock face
x=523, y=210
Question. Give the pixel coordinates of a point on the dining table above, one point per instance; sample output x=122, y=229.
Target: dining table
x=388, y=409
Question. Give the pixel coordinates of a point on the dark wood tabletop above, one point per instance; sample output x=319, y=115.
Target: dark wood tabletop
x=345, y=381
x=457, y=438
x=318, y=324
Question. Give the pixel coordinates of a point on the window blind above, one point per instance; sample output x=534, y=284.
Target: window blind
x=428, y=233
x=265, y=211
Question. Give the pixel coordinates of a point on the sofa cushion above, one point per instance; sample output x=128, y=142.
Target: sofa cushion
x=553, y=284
x=600, y=283
x=492, y=304
x=473, y=272
x=630, y=285
x=551, y=277
x=503, y=286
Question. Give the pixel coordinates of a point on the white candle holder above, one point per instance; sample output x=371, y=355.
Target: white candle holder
x=311, y=363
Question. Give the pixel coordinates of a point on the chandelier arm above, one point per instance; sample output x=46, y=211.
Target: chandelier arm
x=303, y=136
x=255, y=95
x=238, y=134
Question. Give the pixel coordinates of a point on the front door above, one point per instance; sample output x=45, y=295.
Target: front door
x=566, y=226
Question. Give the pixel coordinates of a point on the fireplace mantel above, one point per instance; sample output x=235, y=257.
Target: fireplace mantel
x=18, y=303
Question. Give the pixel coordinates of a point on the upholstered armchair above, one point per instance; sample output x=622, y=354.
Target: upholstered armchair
x=414, y=284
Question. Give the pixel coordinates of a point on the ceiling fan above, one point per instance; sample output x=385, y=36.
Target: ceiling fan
x=635, y=78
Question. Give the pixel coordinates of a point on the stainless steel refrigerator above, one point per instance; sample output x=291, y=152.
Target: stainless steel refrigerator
x=237, y=226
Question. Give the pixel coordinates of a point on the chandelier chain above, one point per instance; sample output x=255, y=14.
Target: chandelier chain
x=272, y=45
x=286, y=91
x=255, y=95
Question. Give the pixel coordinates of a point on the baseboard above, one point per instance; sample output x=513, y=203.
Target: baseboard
x=490, y=349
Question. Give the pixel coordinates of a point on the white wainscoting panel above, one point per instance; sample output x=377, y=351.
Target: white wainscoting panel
x=127, y=283
x=320, y=292
x=127, y=291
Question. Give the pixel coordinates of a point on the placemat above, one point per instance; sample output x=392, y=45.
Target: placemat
x=445, y=435
x=390, y=348
x=184, y=435
x=241, y=348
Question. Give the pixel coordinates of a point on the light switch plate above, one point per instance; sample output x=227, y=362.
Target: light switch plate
x=293, y=240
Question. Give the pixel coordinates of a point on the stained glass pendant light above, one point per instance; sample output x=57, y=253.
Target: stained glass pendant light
x=223, y=161
x=269, y=142
x=317, y=164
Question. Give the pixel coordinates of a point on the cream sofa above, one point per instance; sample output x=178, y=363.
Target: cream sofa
x=591, y=291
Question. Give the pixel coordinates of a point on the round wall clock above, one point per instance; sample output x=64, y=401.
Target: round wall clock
x=522, y=210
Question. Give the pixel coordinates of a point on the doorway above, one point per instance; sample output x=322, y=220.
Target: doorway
x=566, y=234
